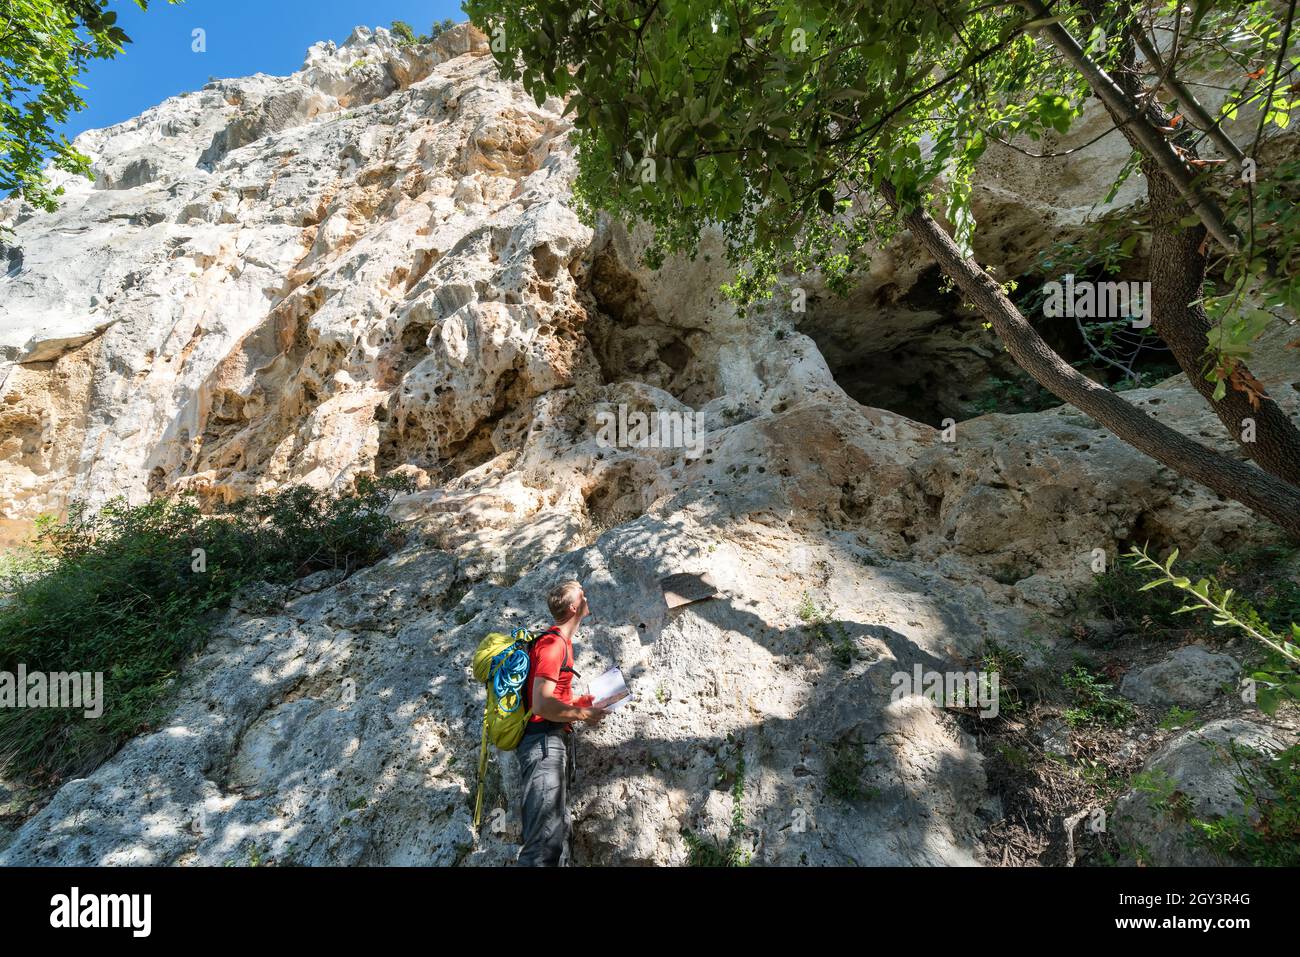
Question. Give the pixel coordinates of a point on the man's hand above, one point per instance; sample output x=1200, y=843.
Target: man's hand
x=549, y=707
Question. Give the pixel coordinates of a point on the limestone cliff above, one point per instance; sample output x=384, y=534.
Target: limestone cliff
x=374, y=265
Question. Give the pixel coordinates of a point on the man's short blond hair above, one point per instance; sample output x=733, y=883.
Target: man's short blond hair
x=562, y=597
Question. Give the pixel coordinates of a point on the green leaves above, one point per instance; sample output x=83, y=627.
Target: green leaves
x=1272, y=686
x=121, y=591
x=756, y=118
x=1053, y=110
x=760, y=116
x=780, y=187
x=45, y=45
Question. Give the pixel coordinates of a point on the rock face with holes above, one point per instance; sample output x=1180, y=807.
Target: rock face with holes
x=340, y=728
x=374, y=265
x=292, y=278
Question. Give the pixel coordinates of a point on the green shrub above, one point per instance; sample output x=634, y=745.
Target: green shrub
x=1118, y=595
x=405, y=34
x=1260, y=583
x=1271, y=788
x=1146, y=378
x=1012, y=396
x=1163, y=795
x=704, y=852
x=1176, y=717
x=1009, y=666
x=1093, y=702
x=130, y=591
x=1277, y=679
x=402, y=32
x=440, y=27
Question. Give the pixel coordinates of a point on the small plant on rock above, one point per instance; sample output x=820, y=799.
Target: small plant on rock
x=1267, y=833
x=1279, y=679
x=703, y=852
x=824, y=628
x=1094, y=704
x=1176, y=717
x=844, y=773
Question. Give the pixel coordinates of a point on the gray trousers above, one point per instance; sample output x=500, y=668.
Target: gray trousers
x=546, y=770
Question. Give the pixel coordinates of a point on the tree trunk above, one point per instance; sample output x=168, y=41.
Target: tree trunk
x=1177, y=268
x=1264, y=494
x=1177, y=272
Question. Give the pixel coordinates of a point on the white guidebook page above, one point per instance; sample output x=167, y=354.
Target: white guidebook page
x=609, y=691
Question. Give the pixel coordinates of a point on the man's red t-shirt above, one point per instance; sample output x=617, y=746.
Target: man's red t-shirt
x=550, y=656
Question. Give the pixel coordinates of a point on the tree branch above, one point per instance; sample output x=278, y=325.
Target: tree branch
x=1268, y=496
x=1151, y=140
x=1190, y=104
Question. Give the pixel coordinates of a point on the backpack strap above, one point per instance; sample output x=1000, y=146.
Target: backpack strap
x=538, y=727
x=568, y=651
x=482, y=770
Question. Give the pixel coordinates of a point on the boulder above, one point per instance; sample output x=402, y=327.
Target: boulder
x=1191, y=677
x=1191, y=776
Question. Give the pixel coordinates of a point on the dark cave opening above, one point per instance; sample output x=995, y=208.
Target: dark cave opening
x=932, y=359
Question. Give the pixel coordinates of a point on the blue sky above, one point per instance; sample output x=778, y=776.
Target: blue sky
x=243, y=37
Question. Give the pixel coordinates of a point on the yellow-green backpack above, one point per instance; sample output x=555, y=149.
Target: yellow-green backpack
x=501, y=663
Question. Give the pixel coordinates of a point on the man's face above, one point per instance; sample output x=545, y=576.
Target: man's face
x=581, y=605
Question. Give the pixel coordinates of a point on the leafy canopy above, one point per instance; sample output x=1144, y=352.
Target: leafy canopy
x=778, y=120
x=44, y=47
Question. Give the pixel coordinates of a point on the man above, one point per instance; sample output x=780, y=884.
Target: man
x=546, y=753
